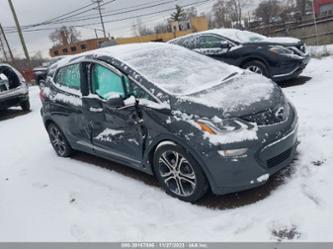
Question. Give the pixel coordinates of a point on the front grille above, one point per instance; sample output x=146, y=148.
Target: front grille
x=271, y=116
x=298, y=50
x=268, y=117
x=278, y=159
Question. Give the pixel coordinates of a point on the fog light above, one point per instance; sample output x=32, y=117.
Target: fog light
x=263, y=178
x=233, y=153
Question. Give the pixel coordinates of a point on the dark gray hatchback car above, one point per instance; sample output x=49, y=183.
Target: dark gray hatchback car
x=193, y=122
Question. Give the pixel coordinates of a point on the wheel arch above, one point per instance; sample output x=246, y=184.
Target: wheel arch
x=149, y=155
x=255, y=58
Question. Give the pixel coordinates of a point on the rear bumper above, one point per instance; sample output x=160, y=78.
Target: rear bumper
x=13, y=97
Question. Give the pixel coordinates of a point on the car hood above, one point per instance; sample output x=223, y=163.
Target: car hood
x=284, y=41
x=244, y=94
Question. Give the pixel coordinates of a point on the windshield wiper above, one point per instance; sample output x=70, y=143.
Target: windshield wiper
x=230, y=76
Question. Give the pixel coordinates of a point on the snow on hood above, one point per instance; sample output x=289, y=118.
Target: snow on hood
x=172, y=68
x=245, y=93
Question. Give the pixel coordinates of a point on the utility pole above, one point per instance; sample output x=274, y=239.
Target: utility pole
x=315, y=22
x=3, y=49
x=100, y=14
x=19, y=32
x=7, y=44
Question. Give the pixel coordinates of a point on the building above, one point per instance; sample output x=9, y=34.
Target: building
x=323, y=7
x=77, y=47
x=176, y=29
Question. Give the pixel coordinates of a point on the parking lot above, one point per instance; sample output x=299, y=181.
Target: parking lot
x=84, y=198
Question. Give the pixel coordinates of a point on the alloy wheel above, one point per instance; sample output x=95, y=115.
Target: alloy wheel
x=57, y=140
x=177, y=173
x=255, y=69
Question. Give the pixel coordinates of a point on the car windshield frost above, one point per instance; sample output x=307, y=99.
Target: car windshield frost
x=246, y=36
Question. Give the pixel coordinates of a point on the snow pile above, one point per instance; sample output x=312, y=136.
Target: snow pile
x=320, y=51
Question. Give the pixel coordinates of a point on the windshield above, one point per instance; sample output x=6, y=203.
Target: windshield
x=246, y=36
x=240, y=36
x=172, y=68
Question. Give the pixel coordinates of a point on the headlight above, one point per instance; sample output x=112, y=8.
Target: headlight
x=227, y=131
x=280, y=50
x=223, y=127
x=207, y=126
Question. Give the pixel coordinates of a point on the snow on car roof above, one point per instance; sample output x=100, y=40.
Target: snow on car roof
x=172, y=68
x=238, y=35
x=243, y=36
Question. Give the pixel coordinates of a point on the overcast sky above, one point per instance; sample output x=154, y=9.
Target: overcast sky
x=36, y=11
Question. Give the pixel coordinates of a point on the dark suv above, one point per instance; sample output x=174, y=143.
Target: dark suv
x=279, y=58
x=193, y=122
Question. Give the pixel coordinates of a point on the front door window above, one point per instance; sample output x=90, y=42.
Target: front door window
x=106, y=83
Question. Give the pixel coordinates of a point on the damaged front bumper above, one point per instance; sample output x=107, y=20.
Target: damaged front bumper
x=274, y=150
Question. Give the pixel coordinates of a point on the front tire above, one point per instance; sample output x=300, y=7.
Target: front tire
x=59, y=141
x=179, y=174
x=257, y=67
x=25, y=105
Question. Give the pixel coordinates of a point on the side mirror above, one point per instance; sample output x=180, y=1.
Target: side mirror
x=115, y=101
x=42, y=83
x=225, y=45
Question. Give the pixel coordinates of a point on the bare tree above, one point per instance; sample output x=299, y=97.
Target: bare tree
x=190, y=12
x=267, y=10
x=69, y=33
x=235, y=11
x=140, y=29
x=220, y=14
x=161, y=28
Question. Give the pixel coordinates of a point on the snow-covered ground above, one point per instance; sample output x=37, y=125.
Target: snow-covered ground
x=47, y=198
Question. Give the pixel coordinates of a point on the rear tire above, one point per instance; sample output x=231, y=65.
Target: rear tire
x=59, y=141
x=25, y=105
x=257, y=67
x=179, y=174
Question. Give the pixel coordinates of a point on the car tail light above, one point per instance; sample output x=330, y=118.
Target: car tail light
x=42, y=95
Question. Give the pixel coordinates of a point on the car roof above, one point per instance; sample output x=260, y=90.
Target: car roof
x=231, y=34
x=172, y=68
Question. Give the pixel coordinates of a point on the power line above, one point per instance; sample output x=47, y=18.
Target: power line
x=118, y=20
x=62, y=17
x=113, y=14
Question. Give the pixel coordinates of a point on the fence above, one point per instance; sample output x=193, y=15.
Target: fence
x=304, y=30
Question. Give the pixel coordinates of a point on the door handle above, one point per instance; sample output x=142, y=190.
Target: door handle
x=96, y=110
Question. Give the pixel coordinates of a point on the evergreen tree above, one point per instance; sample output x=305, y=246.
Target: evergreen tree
x=179, y=14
